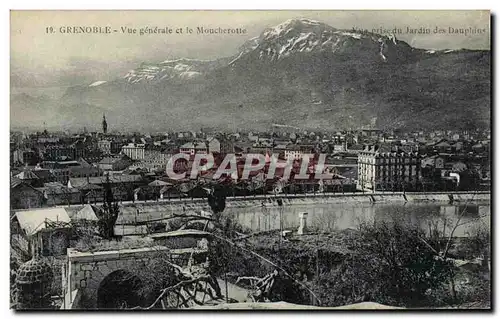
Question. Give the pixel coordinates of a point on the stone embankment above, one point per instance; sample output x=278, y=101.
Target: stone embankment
x=302, y=199
x=189, y=204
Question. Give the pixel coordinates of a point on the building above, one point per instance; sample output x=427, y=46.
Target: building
x=434, y=161
x=156, y=157
x=441, y=146
x=50, y=226
x=338, y=143
x=60, y=151
x=263, y=146
x=108, y=146
x=134, y=151
x=386, y=169
x=61, y=171
x=293, y=152
x=192, y=148
x=24, y=156
x=115, y=163
x=56, y=193
x=105, y=146
x=84, y=171
x=23, y=196
x=214, y=145
x=226, y=145
x=122, y=186
x=28, y=177
x=371, y=132
x=44, y=175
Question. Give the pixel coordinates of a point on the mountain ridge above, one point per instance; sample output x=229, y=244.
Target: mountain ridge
x=304, y=73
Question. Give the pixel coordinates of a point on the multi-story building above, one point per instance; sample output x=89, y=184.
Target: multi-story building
x=61, y=171
x=192, y=148
x=115, y=163
x=226, y=145
x=293, y=152
x=134, y=151
x=156, y=157
x=24, y=156
x=388, y=169
x=73, y=151
x=105, y=146
x=338, y=143
x=108, y=146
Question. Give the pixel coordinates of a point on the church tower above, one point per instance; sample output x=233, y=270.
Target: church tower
x=104, y=124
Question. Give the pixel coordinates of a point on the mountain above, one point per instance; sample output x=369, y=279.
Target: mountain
x=179, y=69
x=307, y=37
x=302, y=73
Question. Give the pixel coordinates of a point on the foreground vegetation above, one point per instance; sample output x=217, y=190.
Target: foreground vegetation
x=388, y=262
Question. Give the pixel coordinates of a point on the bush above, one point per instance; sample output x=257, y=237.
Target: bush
x=479, y=243
x=391, y=265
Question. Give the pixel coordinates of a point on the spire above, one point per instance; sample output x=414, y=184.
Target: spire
x=104, y=124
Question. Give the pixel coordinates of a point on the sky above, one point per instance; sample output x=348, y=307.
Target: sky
x=39, y=57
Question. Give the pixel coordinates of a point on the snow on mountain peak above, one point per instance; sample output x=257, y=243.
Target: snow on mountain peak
x=304, y=35
x=289, y=25
x=183, y=60
x=177, y=69
x=293, y=36
x=97, y=83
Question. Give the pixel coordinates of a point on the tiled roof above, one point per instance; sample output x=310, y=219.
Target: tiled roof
x=99, y=180
x=194, y=146
x=42, y=173
x=14, y=182
x=159, y=183
x=58, y=190
x=27, y=175
x=110, y=160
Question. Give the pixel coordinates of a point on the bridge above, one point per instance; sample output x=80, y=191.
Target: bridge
x=110, y=279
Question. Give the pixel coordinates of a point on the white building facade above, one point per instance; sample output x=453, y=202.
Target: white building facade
x=393, y=170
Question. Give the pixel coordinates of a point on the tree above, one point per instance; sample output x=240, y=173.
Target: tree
x=108, y=214
x=217, y=199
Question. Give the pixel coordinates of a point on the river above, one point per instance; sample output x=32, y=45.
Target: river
x=338, y=216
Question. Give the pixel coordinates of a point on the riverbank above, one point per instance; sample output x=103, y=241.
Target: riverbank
x=184, y=204
x=323, y=198
x=134, y=215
